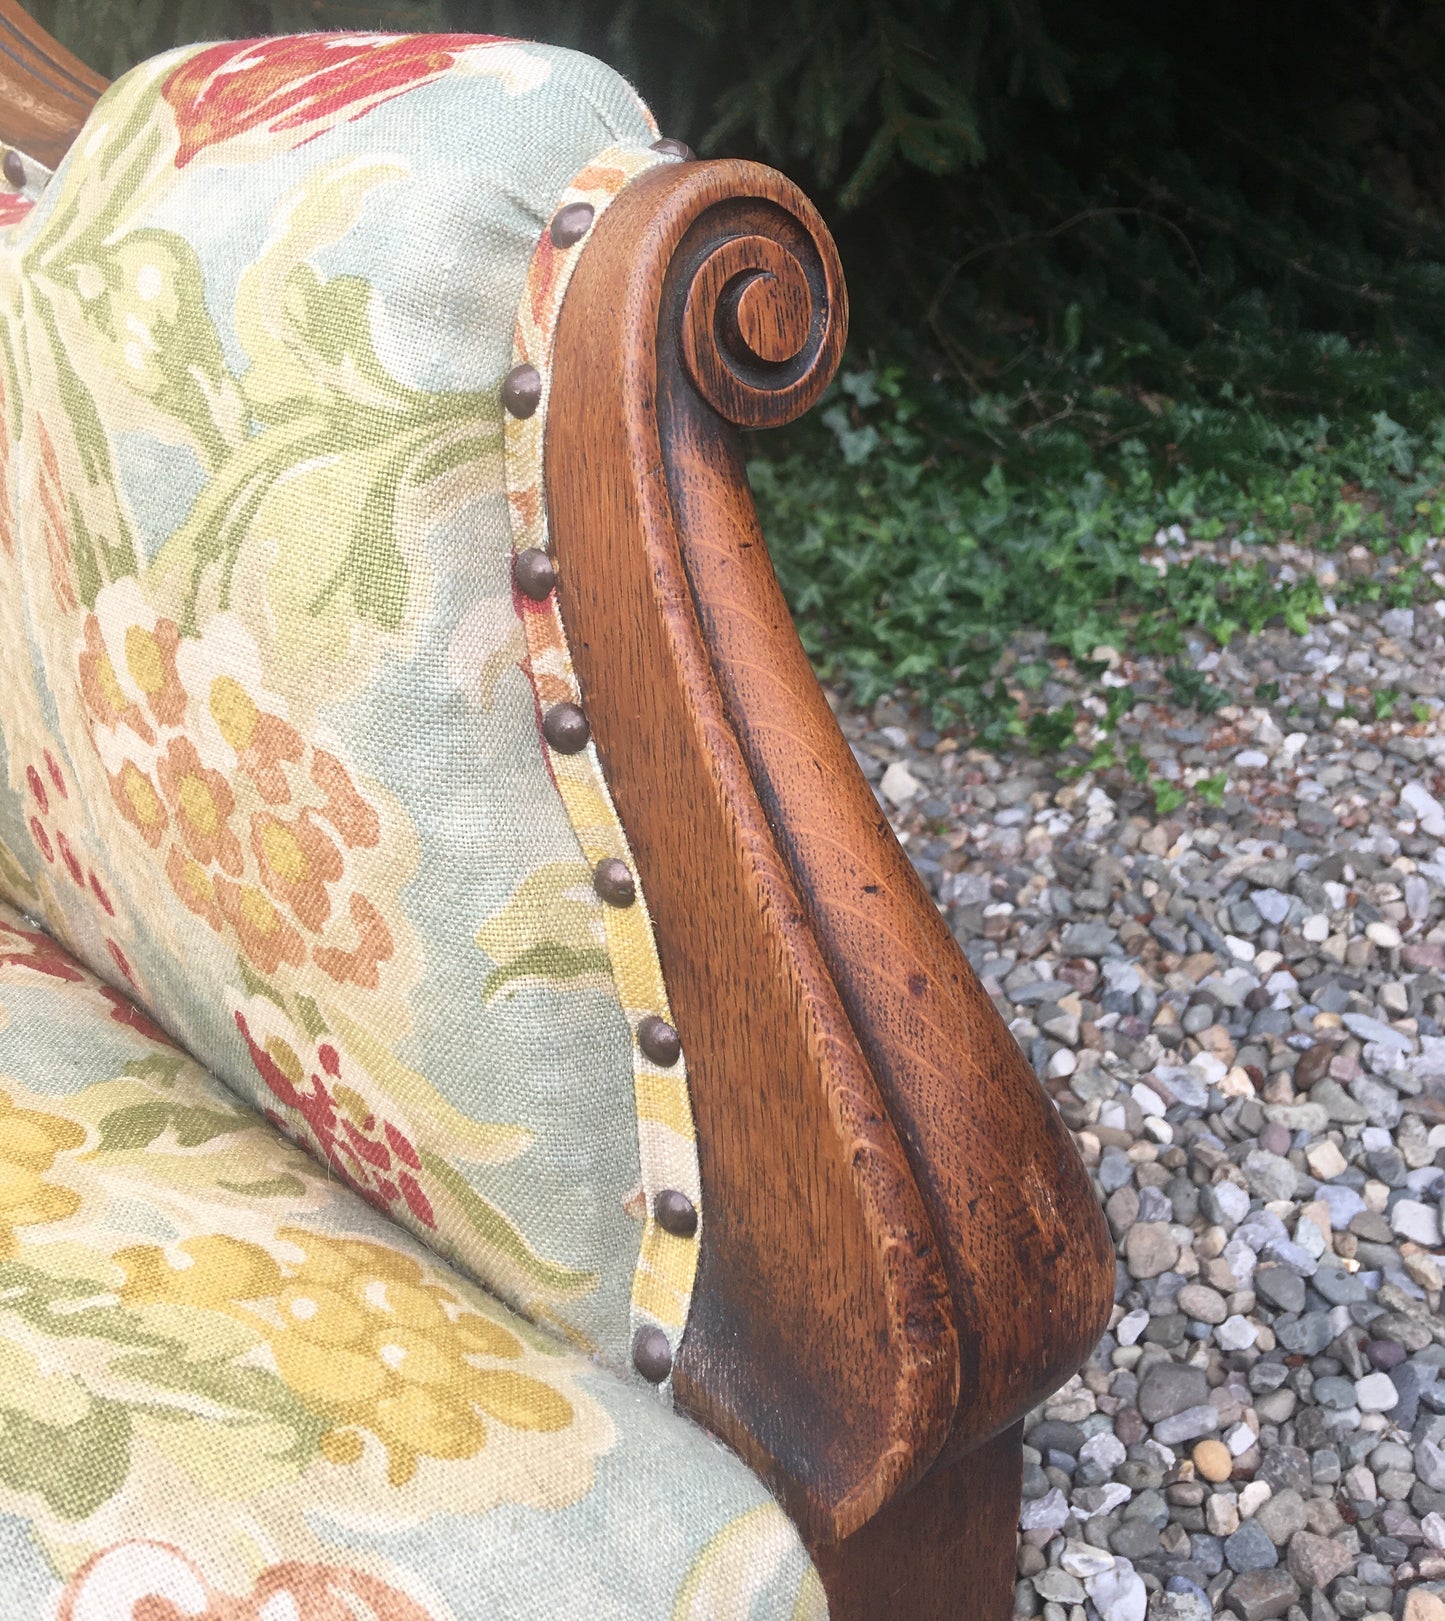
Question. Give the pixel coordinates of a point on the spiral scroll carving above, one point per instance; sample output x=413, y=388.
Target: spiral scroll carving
x=760, y=309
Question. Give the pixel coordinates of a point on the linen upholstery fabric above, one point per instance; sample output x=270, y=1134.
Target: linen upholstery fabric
x=269, y=747
x=229, y=1385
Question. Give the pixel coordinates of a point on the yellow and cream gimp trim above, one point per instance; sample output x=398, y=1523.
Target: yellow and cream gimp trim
x=666, y=1138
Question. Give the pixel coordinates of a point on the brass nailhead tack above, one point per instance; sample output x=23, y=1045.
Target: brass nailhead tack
x=652, y=1355
x=565, y=728
x=14, y=168
x=659, y=1041
x=535, y=574
x=613, y=881
x=522, y=390
x=571, y=224
x=674, y=149
x=675, y=1213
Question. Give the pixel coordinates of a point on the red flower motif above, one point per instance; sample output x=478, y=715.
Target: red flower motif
x=372, y=1156
x=29, y=948
x=14, y=206
x=127, y=1013
x=307, y=79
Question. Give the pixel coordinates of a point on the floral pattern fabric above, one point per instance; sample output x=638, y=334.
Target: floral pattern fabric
x=270, y=760
x=232, y=1389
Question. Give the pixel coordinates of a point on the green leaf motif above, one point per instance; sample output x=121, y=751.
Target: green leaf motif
x=550, y=961
x=161, y=1068
x=74, y=1467
x=274, y=1187
x=501, y=1235
x=139, y=1125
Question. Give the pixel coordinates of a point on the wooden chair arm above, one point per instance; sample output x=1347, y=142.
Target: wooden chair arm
x=45, y=93
x=902, y=1252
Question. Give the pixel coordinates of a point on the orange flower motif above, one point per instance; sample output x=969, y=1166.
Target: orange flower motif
x=374, y=946
x=137, y=800
x=299, y=83
x=192, y=884
x=104, y=696
x=55, y=524
x=351, y=816
x=137, y=1581
x=264, y=743
x=266, y=937
x=202, y=803
x=150, y=661
x=296, y=861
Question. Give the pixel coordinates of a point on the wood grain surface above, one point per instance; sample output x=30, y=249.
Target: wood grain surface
x=828, y=1016
x=821, y=1343
x=45, y=93
x=943, y=1552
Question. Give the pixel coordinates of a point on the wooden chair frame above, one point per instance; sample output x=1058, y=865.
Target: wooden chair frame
x=901, y=1252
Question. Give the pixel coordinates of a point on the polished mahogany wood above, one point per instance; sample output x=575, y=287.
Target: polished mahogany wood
x=45, y=93
x=943, y=1552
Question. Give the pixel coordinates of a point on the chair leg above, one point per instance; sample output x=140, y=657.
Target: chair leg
x=944, y=1551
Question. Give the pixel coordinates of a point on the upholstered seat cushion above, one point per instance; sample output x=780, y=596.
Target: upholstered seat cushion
x=226, y=1381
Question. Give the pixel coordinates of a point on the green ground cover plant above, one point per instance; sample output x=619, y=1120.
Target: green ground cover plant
x=910, y=563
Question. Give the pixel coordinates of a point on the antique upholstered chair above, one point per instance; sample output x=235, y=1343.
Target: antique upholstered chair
x=491, y=1127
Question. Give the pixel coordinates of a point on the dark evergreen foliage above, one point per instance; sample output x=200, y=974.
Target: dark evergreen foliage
x=1065, y=212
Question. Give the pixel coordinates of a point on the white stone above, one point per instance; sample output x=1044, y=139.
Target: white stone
x=1426, y=809
x=1376, y=1393
x=1325, y=1160
x=1083, y=1560
x=1242, y=949
x=1359, y=1485
x=1252, y=1495
x=1131, y=1327
x=1236, y=1333
x=1062, y=1063
x=1240, y=1439
x=1208, y=1068
x=1221, y=1514
x=1147, y=1098
x=1046, y=1513
x=1315, y=928
x=1118, y=1594
x=1385, y=935
x=1309, y=1238
x=1107, y=1451
x=899, y=784
x=1271, y=905
x=1235, y=1083
x=1418, y=1222
x=1111, y=1496
x=1232, y=1200
x=1433, y=1525
x=1430, y=1465
x=1251, y=759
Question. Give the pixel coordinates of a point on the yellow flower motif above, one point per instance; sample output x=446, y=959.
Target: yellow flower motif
x=29, y=1142
x=363, y=1338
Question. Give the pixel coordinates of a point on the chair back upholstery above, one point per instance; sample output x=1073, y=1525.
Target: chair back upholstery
x=271, y=745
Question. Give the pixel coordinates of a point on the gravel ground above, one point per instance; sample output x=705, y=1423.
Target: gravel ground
x=1240, y=1012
